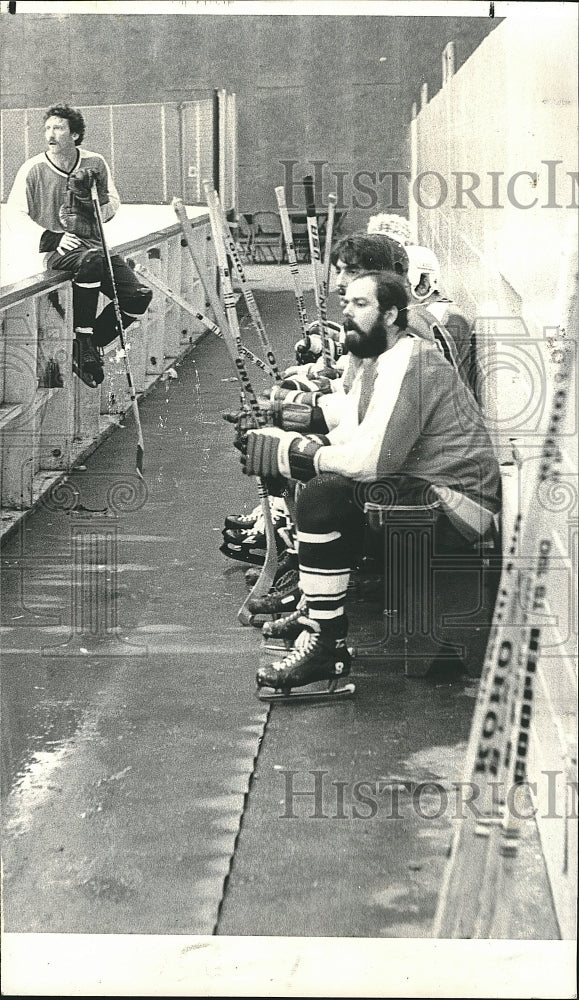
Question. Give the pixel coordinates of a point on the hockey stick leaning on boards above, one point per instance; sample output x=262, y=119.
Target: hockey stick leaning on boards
x=315, y=254
x=292, y=259
x=120, y=329
x=233, y=341
x=210, y=291
x=484, y=846
x=178, y=299
x=329, y=238
x=232, y=250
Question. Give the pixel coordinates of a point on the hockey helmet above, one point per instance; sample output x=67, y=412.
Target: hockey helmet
x=423, y=272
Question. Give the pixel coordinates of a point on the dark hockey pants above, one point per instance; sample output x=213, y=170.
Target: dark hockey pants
x=91, y=276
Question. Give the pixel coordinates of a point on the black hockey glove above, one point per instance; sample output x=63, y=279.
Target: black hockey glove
x=244, y=421
x=80, y=183
x=273, y=452
x=301, y=456
x=77, y=217
x=300, y=417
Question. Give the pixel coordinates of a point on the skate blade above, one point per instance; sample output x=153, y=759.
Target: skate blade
x=346, y=691
x=278, y=645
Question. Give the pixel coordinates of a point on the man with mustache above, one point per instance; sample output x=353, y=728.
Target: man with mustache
x=50, y=207
x=409, y=423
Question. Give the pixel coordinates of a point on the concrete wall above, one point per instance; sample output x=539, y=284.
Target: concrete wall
x=334, y=89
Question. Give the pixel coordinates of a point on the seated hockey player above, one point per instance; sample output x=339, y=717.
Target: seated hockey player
x=308, y=386
x=408, y=420
x=243, y=534
x=350, y=256
x=451, y=329
x=50, y=208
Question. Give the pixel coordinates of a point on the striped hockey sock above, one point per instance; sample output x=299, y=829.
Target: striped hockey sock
x=324, y=575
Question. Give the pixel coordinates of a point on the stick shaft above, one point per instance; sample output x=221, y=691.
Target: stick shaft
x=233, y=341
x=292, y=259
x=208, y=286
x=482, y=846
x=168, y=292
x=120, y=329
x=315, y=253
x=247, y=292
x=329, y=237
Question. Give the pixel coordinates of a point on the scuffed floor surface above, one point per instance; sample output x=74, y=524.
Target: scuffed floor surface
x=145, y=788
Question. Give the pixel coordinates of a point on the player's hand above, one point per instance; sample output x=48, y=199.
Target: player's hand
x=261, y=452
x=81, y=182
x=68, y=242
x=327, y=372
x=244, y=421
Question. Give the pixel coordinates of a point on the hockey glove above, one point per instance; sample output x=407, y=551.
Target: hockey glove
x=309, y=349
x=77, y=217
x=286, y=393
x=299, y=417
x=67, y=242
x=244, y=421
x=80, y=183
x=265, y=452
x=302, y=453
x=272, y=452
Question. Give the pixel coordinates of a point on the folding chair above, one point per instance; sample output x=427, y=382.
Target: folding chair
x=299, y=226
x=267, y=238
x=242, y=231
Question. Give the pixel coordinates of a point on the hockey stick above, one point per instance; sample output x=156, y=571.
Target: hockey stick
x=483, y=846
x=231, y=248
x=156, y=282
x=120, y=329
x=233, y=341
x=315, y=254
x=328, y=246
x=292, y=259
x=210, y=292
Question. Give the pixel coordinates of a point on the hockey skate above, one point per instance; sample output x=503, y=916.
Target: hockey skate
x=288, y=560
x=311, y=660
x=250, y=546
x=86, y=360
x=283, y=597
x=246, y=522
x=282, y=634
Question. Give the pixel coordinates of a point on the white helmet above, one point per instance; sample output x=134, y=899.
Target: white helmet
x=423, y=272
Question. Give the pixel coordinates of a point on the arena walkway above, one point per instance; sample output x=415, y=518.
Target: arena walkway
x=145, y=788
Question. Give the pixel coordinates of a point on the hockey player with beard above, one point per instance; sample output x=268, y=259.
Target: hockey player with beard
x=307, y=400
x=408, y=421
x=308, y=383
x=50, y=209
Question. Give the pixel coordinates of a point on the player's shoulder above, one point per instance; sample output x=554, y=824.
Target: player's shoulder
x=90, y=159
x=427, y=352
x=34, y=163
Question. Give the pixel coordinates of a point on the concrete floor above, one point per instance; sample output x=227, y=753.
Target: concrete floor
x=145, y=788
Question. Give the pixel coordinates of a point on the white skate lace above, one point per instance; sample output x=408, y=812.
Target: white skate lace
x=307, y=645
x=258, y=528
x=302, y=640
x=248, y=519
